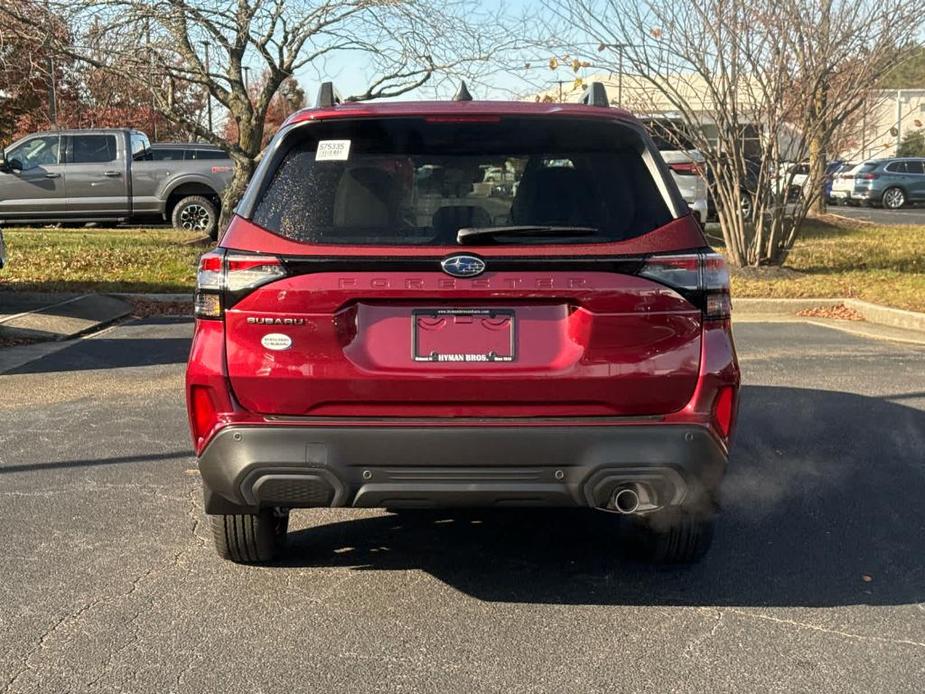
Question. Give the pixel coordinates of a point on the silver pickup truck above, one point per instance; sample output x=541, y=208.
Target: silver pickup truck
x=110, y=175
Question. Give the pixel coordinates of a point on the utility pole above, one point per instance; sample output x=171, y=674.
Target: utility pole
x=620, y=75
x=52, y=93
x=208, y=93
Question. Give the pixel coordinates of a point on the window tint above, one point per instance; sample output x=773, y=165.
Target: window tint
x=205, y=154
x=39, y=151
x=867, y=167
x=409, y=181
x=896, y=167
x=93, y=149
x=915, y=167
x=158, y=154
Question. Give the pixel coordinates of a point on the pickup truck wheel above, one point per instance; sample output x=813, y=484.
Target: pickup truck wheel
x=251, y=538
x=672, y=535
x=196, y=213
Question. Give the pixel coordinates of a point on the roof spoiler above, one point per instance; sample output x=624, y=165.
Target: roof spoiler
x=328, y=96
x=595, y=95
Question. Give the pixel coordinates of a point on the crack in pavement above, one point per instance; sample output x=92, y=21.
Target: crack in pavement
x=134, y=586
x=825, y=630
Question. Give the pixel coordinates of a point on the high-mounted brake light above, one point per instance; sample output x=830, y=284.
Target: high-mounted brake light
x=701, y=277
x=223, y=275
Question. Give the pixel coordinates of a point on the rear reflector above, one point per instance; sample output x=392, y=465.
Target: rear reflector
x=723, y=409
x=202, y=413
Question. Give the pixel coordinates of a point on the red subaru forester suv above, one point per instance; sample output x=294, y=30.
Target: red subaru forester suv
x=462, y=303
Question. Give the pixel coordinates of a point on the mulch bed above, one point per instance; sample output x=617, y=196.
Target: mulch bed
x=839, y=312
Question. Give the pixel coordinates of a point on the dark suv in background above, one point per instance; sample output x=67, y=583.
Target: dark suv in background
x=381, y=327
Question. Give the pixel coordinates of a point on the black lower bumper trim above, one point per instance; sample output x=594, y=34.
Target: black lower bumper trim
x=250, y=467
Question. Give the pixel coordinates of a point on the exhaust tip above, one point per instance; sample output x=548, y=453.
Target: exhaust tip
x=626, y=500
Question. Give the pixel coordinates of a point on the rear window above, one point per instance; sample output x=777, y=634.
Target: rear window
x=868, y=167
x=415, y=181
x=669, y=135
x=167, y=154
x=211, y=154
x=93, y=149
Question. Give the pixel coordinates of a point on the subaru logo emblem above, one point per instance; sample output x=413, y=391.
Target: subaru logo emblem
x=463, y=266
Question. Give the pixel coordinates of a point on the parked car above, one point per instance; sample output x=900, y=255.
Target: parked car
x=684, y=160
x=362, y=343
x=106, y=175
x=798, y=176
x=832, y=170
x=747, y=190
x=892, y=183
x=843, y=185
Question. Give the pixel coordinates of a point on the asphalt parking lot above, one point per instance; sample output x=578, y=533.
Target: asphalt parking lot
x=878, y=215
x=816, y=581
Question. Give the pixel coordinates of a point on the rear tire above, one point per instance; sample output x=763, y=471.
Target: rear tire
x=251, y=538
x=196, y=213
x=672, y=535
x=893, y=198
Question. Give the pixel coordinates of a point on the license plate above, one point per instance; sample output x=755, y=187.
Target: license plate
x=462, y=335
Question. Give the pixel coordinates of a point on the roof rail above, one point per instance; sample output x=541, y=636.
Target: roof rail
x=595, y=95
x=463, y=93
x=327, y=96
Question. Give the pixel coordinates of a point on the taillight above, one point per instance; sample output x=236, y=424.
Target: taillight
x=702, y=278
x=223, y=278
x=685, y=168
x=867, y=176
x=210, y=281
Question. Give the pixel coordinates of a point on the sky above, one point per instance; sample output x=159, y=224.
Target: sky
x=352, y=72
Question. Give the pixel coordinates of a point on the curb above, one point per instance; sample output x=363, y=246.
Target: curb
x=177, y=298
x=884, y=315
x=872, y=313
x=66, y=319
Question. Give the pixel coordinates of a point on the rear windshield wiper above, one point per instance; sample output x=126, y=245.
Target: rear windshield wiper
x=471, y=234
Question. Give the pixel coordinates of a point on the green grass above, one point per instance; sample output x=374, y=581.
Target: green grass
x=834, y=258
x=881, y=264
x=100, y=260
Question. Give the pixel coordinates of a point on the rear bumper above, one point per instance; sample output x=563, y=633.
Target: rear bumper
x=249, y=467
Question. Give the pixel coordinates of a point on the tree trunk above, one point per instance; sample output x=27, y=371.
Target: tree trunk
x=243, y=170
x=250, y=134
x=817, y=164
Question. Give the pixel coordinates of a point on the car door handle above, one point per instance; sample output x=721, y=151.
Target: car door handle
x=112, y=174
x=52, y=175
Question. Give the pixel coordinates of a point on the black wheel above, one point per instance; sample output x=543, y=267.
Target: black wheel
x=672, y=535
x=251, y=538
x=893, y=198
x=196, y=213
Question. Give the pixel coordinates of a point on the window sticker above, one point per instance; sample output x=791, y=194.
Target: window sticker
x=333, y=150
